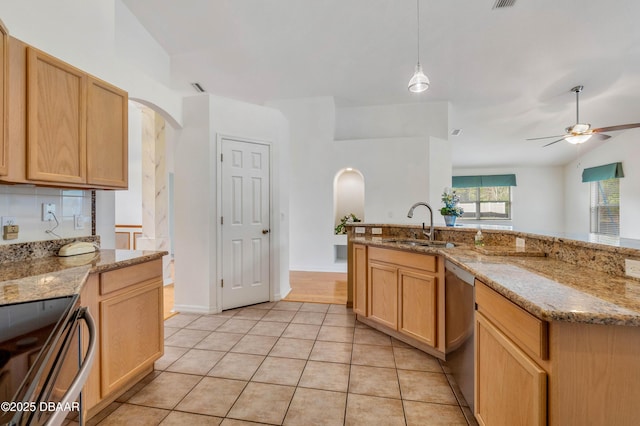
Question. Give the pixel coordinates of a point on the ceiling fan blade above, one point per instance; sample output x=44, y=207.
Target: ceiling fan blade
x=551, y=143
x=545, y=137
x=614, y=128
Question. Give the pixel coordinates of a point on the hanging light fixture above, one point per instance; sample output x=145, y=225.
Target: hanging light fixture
x=419, y=82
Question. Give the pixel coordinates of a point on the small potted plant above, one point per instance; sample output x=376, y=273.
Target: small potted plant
x=350, y=218
x=451, y=210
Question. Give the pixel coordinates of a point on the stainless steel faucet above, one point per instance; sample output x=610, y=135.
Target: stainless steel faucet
x=410, y=215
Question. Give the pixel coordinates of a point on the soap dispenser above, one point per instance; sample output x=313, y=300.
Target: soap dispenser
x=479, y=239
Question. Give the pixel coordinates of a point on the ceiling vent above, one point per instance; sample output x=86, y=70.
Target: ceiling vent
x=198, y=87
x=456, y=132
x=499, y=4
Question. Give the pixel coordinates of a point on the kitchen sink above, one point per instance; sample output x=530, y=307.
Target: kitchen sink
x=422, y=243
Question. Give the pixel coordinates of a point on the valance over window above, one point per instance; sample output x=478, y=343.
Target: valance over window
x=483, y=181
x=606, y=172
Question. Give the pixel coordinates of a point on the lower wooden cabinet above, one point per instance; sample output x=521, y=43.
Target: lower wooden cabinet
x=360, y=279
x=405, y=294
x=127, y=307
x=511, y=389
x=383, y=293
x=418, y=305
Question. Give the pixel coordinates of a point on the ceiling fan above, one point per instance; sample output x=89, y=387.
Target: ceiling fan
x=582, y=132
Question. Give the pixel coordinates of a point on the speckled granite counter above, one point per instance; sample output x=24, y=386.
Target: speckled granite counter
x=551, y=289
x=48, y=277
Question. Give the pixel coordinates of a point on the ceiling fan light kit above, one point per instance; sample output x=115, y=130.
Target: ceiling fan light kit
x=582, y=132
x=419, y=82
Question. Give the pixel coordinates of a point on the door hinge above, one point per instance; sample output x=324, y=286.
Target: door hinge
x=221, y=220
x=221, y=157
x=222, y=283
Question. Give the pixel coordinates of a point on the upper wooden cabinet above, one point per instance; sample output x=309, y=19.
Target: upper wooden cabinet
x=107, y=134
x=56, y=120
x=66, y=127
x=4, y=64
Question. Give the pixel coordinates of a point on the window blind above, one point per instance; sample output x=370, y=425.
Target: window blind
x=608, y=171
x=483, y=181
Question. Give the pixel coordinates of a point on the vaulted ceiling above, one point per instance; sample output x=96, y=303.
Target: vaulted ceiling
x=506, y=72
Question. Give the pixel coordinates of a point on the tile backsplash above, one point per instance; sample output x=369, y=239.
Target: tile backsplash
x=24, y=203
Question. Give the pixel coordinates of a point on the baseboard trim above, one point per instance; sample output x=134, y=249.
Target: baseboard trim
x=194, y=309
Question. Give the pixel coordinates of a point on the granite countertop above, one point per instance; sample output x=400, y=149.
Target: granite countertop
x=550, y=289
x=49, y=277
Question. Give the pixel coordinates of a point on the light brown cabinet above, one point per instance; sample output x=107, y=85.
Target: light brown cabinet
x=510, y=385
x=360, y=279
x=56, y=120
x=511, y=389
x=418, y=305
x=405, y=295
x=383, y=293
x=127, y=306
x=67, y=128
x=4, y=67
x=107, y=135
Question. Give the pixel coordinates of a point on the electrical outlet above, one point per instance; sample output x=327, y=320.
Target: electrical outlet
x=376, y=231
x=78, y=221
x=520, y=242
x=48, y=211
x=632, y=268
x=360, y=229
x=8, y=220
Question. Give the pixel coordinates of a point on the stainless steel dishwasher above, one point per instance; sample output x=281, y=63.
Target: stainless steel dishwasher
x=459, y=327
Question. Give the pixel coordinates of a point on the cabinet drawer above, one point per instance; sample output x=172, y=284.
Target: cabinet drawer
x=425, y=262
x=118, y=279
x=522, y=327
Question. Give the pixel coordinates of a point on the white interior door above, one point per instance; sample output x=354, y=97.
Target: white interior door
x=245, y=223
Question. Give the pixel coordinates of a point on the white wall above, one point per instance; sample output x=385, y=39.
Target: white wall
x=622, y=147
x=128, y=204
x=537, y=198
x=196, y=215
x=389, y=145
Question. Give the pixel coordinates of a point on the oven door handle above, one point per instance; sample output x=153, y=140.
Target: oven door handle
x=78, y=382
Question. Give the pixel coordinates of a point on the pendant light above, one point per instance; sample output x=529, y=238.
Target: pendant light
x=419, y=82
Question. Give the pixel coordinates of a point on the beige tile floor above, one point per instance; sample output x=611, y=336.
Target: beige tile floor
x=287, y=363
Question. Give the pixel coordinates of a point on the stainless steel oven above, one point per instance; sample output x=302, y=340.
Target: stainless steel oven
x=43, y=360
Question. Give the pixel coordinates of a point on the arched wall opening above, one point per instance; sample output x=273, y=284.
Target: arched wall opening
x=348, y=201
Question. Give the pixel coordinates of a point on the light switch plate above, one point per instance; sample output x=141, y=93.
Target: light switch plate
x=632, y=268
x=376, y=231
x=360, y=229
x=78, y=221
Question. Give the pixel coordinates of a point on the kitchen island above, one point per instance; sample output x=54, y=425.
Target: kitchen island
x=557, y=337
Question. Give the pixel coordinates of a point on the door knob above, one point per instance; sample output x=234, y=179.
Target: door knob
x=265, y=231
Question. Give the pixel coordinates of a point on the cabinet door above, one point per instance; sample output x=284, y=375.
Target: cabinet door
x=360, y=279
x=510, y=389
x=418, y=305
x=56, y=120
x=107, y=134
x=130, y=335
x=4, y=85
x=383, y=294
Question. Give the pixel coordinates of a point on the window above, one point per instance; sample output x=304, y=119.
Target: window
x=487, y=202
x=605, y=207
